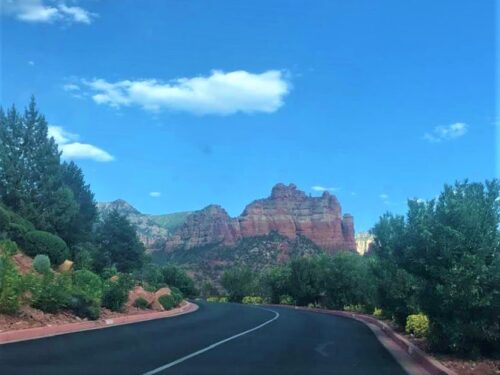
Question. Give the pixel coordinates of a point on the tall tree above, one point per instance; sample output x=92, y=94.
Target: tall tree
x=80, y=227
x=118, y=244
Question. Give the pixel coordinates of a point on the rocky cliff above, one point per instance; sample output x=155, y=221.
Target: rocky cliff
x=288, y=212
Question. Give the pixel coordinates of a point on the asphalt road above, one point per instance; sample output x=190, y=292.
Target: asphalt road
x=281, y=341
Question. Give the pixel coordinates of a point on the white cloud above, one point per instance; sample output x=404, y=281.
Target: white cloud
x=219, y=93
x=75, y=150
x=45, y=11
x=323, y=188
x=31, y=62
x=155, y=194
x=71, y=87
x=446, y=133
x=385, y=198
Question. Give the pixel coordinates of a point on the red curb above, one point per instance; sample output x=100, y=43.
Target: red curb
x=430, y=365
x=47, y=331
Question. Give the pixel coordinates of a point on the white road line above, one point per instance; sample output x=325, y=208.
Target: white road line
x=210, y=347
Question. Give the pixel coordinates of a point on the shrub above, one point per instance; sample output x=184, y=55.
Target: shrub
x=54, y=293
x=116, y=292
x=167, y=301
x=40, y=242
x=83, y=309
x=8, y=247
x=418, y=325
x=355, y=308
x=10, y=286
x=252, y=300
x=87, y=285
x=378, y=313
x=141, y=303
x=223, y=300
x=213, y=299
x=17, y=233
x=286, y=300
x=41, y=264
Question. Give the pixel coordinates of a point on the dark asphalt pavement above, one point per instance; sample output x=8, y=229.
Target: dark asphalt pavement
x=297, y=342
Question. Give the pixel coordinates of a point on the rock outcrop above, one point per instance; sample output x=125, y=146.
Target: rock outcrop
x=288, y=211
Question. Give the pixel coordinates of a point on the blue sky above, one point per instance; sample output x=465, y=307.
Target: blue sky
x=216, y=101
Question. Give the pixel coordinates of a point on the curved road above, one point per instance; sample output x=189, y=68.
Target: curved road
x=217, y=339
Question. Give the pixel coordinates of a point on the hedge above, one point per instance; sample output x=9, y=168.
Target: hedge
x=40, y=242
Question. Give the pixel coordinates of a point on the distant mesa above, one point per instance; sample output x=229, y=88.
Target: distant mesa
x=287, y=211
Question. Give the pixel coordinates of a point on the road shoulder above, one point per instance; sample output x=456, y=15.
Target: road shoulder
x=8, y=337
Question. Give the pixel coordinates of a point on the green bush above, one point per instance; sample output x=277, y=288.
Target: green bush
x=141, y=303
x=8, y=247
x=10, y=286
x=418, y=325
x=54, y=293
x=86, y=294
x=116, y=292
x=378, y=313
x=212, y=299
x=223, y=300
x=41, y=264
x=40, y=242
x=286, y=300
x=84, y=309
x=355, y=308
x=252, y=300
x=17, y=233
x=167, y=301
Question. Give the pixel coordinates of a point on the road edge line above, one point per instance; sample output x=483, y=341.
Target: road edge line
x=214, y=345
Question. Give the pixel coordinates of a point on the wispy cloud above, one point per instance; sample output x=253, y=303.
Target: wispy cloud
x=46, y=11
x=447, y=133
x=324, y=188
x=71, y=149
x=385, y=198
x=31, y=62
x=155, y=194
x=219, y=93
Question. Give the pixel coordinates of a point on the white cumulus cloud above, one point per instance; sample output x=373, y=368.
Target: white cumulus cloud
x=324, y=188
x=447, y=133
x=155, y=194
x=45, y=11
x=219, y=93
x=71, y=149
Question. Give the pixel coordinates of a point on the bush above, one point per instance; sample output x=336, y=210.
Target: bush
x=87, y=285
x=252, y=300
x=116, y=292
x=167, y=301
x=41, y=264
x=40, y=242
x=286, y=300
x=83, y=309
x=141, y=303
x=53, y=294
x=418, y=325
x=8, y=247
x=10, y=286
x=213, y=299
x=17, y=233
x=355, y=308
x=378, y=313
x=223, y=300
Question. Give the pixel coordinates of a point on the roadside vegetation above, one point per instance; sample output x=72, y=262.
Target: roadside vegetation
x=81, y=262
x=434, y=272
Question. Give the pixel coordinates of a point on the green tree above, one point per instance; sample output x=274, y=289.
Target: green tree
x=79, y=229
x=118, y=244
x=238, y=282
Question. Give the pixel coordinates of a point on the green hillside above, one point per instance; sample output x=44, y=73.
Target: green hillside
x=170, y=221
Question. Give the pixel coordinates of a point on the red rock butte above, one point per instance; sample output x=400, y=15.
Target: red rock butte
x=288, y=211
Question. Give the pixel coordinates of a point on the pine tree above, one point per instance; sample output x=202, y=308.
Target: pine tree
x=80, y=228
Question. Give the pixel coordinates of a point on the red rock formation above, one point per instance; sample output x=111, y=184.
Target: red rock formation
x=287, y=211
x=210, y=225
